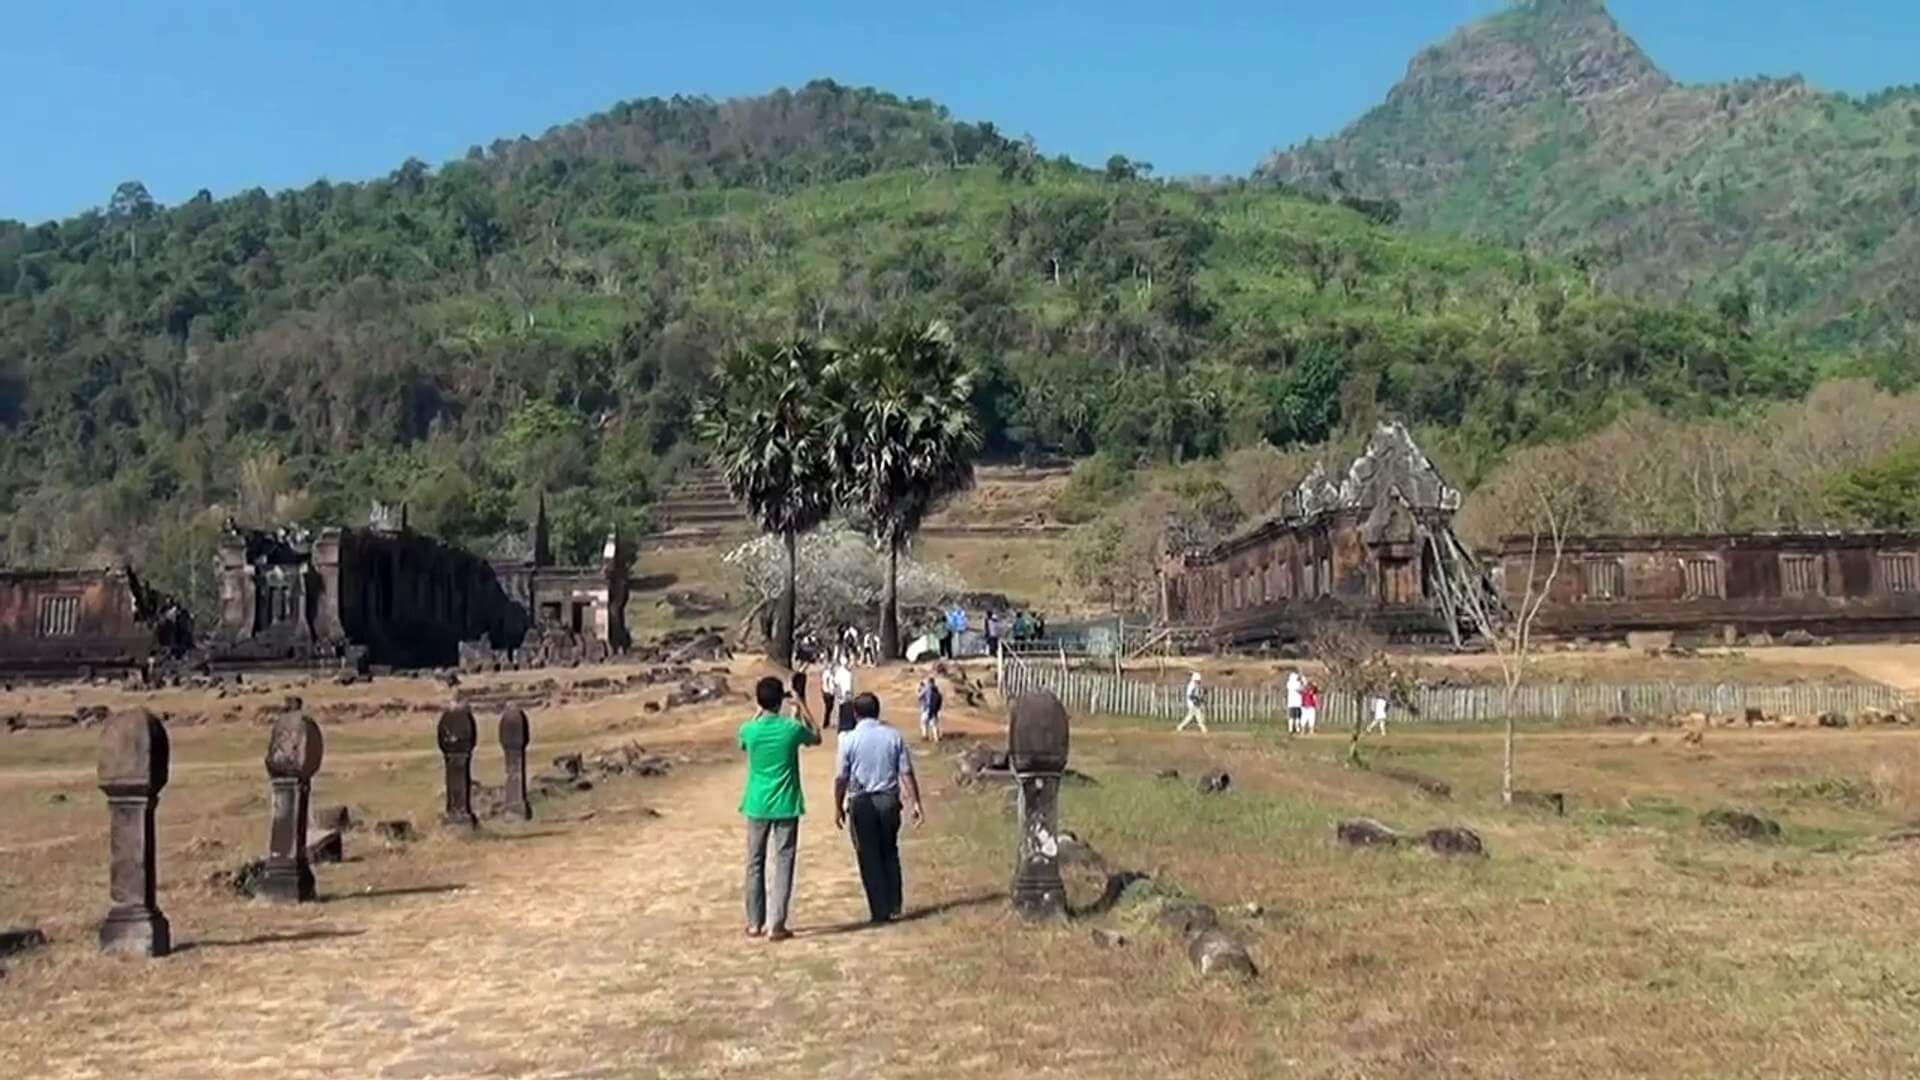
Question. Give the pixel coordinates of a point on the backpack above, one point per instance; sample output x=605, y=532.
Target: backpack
x=934, y=700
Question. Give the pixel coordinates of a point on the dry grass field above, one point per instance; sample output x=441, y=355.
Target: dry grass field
x=602, y=939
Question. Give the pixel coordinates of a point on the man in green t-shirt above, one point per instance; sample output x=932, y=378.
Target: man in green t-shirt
x=773, y=804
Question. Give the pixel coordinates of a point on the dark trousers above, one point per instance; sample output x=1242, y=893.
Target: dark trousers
x=874, y=822
x=827, y=714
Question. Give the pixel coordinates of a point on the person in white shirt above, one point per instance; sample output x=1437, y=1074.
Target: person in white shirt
x=1379, y=723
x=1295, y=686
x=1196, y=698
x=840, y=684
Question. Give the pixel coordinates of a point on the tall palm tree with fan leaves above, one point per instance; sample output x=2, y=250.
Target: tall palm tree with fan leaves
x=770, y=426
x=904, y=437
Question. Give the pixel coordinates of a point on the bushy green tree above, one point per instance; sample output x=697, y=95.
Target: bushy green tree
x=771, y=429
x=905, y=437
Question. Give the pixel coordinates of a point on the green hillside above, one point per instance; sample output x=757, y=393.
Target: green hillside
x=1546, y=124
x=541, y=316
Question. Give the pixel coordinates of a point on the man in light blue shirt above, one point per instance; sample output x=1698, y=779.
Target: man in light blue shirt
x=872, y=769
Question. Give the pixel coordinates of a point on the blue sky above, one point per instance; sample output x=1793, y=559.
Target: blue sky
x=228, y=95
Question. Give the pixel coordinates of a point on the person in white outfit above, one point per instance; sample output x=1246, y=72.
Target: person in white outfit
x=1295, y=687
x=1379, y=722
x=1196, y=699
x=840, y=685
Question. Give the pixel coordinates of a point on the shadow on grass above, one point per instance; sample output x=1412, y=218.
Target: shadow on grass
x=910, y=915
x=268, y=939
x=534, y=835
x=382, y=894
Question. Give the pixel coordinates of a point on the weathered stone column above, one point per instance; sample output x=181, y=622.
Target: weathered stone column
x=514, y=737
x=457, y=736
x=133, y=769
x=1037, y=753
x=294, y=749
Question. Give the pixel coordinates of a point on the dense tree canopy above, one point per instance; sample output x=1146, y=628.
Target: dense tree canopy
x=542, y=316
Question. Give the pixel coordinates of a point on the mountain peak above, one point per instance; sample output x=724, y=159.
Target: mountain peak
x=1535, y=50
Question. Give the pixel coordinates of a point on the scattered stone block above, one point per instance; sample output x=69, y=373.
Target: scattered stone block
x=1454, y=840
x=1213, y=953
x=1832, y=720
x=328, y=847
x=1215, y=782
x=1112, y=939
x=21, y=940
x=1646, y=739
x=1366, y=832
x=1167, y=774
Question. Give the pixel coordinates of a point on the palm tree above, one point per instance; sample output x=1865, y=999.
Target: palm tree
x=905, y=436
x=767, y=424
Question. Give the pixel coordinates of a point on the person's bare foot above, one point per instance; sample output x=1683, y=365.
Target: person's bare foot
x=779, y=933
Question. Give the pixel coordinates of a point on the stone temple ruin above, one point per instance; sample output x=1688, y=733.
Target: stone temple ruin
x=388, y=595
x=353, y=597
x=1378, y=545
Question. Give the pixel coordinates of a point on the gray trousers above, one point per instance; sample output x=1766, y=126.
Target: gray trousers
x=767, y=904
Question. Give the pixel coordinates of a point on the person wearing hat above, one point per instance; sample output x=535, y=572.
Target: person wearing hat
x=1196, y=697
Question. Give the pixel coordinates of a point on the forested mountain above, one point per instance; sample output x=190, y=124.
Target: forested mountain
x=1546, y=124
x=541, y=316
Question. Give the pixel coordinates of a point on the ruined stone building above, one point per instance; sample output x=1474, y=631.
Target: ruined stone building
x=72, y=621
x=1721, y=588
x=571, y=612
x=388, y=595
x=382, y=594
x=1378, y=545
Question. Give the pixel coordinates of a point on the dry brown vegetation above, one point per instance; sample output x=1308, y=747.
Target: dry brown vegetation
x=1646, y=473
x=602, y=940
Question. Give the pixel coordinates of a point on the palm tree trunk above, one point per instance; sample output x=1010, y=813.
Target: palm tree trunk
x=780, y=643
x=890, y=605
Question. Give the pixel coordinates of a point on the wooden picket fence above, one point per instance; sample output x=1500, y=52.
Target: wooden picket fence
x=1105, y=694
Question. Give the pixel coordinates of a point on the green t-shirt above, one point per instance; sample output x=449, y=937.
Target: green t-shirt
x=773, y=747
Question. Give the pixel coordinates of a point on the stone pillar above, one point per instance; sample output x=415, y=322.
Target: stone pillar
x=514, y=737
x=457, y=736
x=133, y=769
x=294, y=749
x=1037, y=753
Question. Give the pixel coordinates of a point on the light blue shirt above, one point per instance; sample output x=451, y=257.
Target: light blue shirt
x=872, y=758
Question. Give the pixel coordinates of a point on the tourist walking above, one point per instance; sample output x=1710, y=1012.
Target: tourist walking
x=1196, y=701
x=1379, y=722
x=1309, y=709
x=1295, y=691
x=930, y=702
x=956, y=626
x=873, y=770
x=840, y=693
x=993, y=633
x=772, y=804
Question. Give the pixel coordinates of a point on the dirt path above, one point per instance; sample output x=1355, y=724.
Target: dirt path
x=611, y=947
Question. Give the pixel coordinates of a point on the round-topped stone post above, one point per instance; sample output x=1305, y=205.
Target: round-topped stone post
x=133, y=768
x=294, y=749
x=514, y=737
x=1037, y=753
x=457, y=736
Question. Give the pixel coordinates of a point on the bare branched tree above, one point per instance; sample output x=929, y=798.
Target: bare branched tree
x=1357, y=663
x=1505, y=617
